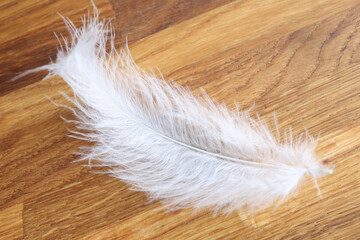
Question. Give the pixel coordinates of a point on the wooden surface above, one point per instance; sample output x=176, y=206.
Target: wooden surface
x=298, y=58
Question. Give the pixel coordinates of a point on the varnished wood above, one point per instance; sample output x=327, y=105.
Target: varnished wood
x=132, y=17
x=297, y=58
x=12, y=222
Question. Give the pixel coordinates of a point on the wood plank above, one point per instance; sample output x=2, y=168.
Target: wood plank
x=137, y=19
x=33, y=143
x=27, y=38
x=11, y=219
x=233, y=25
x=87, y=204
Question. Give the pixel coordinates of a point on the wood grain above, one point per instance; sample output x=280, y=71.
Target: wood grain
x=12, y=217
x=133, y=17
x=27, y=35
x=297, y=58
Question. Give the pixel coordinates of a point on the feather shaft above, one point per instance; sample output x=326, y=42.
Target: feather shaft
x=240, y=161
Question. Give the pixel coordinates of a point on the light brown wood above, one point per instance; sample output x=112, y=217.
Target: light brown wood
x=11, y=222
x=297, y=58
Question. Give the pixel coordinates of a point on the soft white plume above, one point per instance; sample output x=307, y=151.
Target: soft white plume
x=184, y=150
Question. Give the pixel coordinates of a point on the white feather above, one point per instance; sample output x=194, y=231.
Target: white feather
x=184, y=150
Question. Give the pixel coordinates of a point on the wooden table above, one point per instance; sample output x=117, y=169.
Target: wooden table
x=298, y=58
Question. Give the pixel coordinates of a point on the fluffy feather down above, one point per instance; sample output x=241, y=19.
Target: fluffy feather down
x=184, y=150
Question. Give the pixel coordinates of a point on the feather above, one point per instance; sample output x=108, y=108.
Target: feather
x=179, y=148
